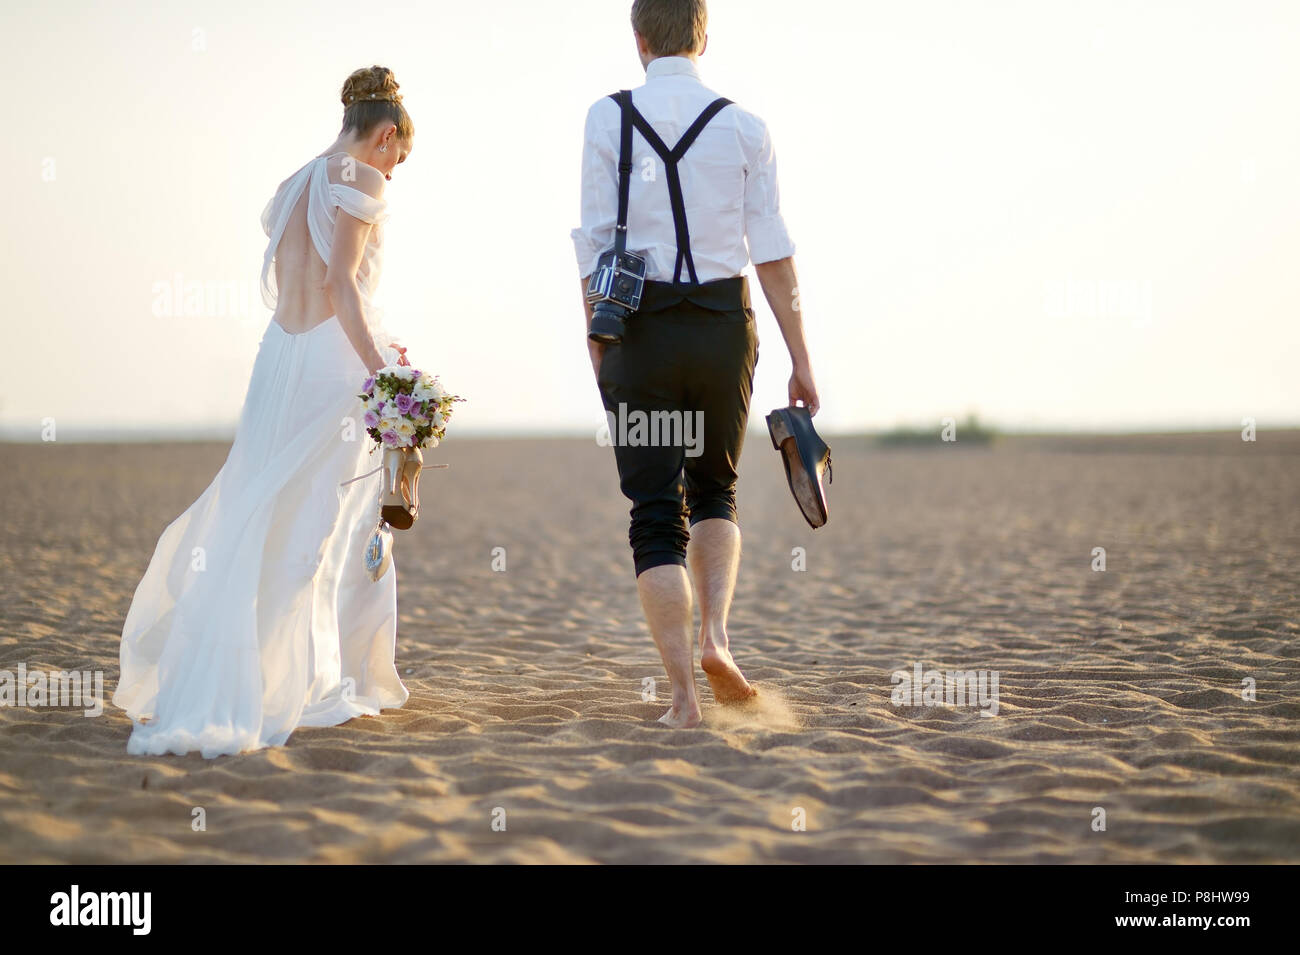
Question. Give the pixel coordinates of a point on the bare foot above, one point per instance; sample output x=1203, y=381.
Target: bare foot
x=682, y=718
x=729, y=684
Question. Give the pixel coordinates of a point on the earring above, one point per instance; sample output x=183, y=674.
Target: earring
x=383, y=148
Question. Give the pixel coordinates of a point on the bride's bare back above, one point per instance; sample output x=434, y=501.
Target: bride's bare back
x=303, y=300
x=300, y=276
x=324, y=227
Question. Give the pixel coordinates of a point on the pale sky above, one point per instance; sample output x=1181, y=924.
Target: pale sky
x=1059, y=215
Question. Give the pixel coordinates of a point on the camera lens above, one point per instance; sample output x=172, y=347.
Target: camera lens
x=607, y=323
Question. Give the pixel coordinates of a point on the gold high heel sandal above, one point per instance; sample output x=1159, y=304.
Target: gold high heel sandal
x=411, y=469
x=400, y=504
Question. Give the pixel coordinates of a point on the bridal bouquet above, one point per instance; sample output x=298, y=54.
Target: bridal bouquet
x=405, y=407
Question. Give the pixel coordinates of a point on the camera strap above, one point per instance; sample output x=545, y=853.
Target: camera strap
x=631, y=117
x=624, y=100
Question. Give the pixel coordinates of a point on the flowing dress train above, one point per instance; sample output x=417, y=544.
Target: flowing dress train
x=256, y=614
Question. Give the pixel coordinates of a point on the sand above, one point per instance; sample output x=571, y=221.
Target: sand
x=1118, y=690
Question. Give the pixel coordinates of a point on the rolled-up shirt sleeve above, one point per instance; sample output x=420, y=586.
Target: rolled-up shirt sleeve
x=599, y=194
x=765, y=231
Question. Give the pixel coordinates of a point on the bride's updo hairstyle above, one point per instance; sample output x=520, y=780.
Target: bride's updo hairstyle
x=370, y=98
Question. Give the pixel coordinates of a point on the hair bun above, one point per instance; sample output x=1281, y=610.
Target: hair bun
x=372, y=84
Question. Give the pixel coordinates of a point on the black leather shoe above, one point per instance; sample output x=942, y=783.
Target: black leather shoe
x=806, y=457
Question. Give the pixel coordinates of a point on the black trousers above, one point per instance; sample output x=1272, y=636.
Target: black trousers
x=676, y=393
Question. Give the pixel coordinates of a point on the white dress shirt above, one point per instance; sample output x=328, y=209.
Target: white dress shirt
x=728, y=180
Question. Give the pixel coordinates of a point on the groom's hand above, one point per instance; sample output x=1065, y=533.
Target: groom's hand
x=803, y=388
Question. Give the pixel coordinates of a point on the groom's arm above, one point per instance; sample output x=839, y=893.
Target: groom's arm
x=595, y=349
x=780, y=285
x=772, y=252
x=599, y=205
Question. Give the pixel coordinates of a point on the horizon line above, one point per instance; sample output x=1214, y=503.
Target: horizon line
x=191, y=434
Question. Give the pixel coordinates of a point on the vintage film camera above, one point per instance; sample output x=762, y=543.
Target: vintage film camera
x=615, y=293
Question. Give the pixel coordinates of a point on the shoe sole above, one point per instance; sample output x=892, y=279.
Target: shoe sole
x=398, y=518
x=806, y=495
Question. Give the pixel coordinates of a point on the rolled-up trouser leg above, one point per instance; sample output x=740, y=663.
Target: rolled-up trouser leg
x=677, y=370
x=721, y=382
x=637, y=379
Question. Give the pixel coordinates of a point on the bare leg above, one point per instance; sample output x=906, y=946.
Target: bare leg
x=714, y=558
x=665, y=593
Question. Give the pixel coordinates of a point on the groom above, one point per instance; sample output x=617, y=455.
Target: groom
x=702, y=203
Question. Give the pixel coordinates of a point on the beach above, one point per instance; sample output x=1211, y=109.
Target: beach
x=530, y=735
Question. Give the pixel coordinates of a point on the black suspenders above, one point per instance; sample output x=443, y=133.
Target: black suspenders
x=631, y=117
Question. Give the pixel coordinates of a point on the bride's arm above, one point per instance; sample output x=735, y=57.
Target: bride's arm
x=350, y=235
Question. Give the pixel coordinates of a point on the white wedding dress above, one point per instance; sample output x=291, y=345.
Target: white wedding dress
x=256, y=614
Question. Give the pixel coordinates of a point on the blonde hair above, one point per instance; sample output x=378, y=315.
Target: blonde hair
x=671, y=26
x=370, y=98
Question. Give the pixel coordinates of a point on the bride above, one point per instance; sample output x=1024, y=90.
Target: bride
x=256, y=614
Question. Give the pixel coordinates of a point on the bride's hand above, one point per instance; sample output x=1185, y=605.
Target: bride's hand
x=380, y=356
x=376, y=361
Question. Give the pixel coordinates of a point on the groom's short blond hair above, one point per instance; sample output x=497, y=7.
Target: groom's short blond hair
x=671, y=26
